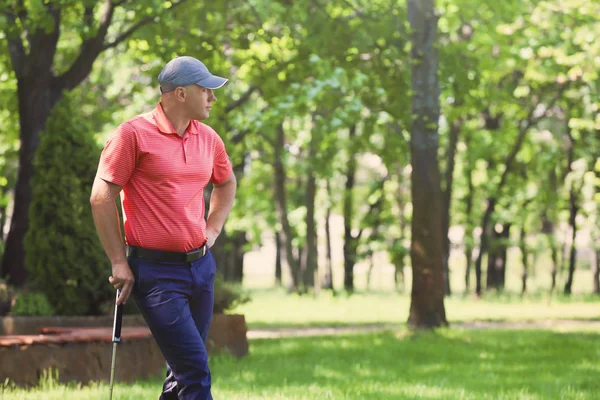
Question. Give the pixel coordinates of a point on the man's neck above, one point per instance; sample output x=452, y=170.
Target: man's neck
x=178, y=121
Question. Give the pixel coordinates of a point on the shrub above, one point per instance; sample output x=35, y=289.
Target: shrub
x=6, y=298
x=32, y=304
x=228, y=296
x=64, y=257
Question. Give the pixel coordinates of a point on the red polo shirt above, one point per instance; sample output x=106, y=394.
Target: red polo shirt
x=163, y=177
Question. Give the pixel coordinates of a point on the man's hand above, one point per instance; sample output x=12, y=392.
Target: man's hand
x=122, y=278
x=211, y=236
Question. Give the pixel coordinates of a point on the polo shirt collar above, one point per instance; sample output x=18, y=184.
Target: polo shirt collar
x=163, y=124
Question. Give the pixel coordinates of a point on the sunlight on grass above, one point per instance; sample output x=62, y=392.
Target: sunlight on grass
x=274, y=308
x=447, y=364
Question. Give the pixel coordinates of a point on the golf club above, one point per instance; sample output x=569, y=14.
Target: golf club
x=116, y=338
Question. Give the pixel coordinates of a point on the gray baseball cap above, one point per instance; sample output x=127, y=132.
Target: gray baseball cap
x=186, y=70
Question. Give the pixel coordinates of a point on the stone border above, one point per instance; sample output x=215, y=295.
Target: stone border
x=83, y=352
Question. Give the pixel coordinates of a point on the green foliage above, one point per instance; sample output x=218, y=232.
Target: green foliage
x=6, y=298
x=228, y=296
x=63, y=254
x=30, y=303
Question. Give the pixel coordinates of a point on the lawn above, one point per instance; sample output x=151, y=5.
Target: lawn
x=270, y=308
x=447, y=364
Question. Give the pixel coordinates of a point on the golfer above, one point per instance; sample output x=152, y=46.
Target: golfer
x=160, y=162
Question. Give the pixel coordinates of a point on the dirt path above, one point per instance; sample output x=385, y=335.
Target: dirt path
x=554, y=325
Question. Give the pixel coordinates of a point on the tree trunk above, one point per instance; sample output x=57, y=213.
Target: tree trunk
x=573, y=209
x=447, y=199
x=278, y=251
x=36, y=100
x=281, y=206
x=228, y=249
x=469, y=228
x=496, y=272
x=310, y=261
x=350, y=242
x=3, y=212
x=398, y=260
x=427, y=247
x=525, y=260
x=548, y=230
x=328, y=280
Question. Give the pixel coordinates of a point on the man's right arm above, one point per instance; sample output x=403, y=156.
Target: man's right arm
x=106, y=218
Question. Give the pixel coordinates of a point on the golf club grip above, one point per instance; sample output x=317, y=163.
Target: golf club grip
x=118, y=320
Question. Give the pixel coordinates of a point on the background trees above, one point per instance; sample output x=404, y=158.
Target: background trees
x=319, y=121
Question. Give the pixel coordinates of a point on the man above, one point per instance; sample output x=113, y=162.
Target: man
x=161, y=162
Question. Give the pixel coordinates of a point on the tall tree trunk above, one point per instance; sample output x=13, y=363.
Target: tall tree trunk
x=36, y=100
x=496, y=272
x=3, y=212
x=278, y=251
x=310, y=261
x=229, y=253
x=427, y=247
x=469, y=227
x=281, y=206
x=548, y=230
x=447, y=199
x=228, y=249
x=573, y=210
x=525, y=259
x=398, y=256
x=350, y=242
x=328, y=280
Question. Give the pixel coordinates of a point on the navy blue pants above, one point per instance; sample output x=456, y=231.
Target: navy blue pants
x=176, y=300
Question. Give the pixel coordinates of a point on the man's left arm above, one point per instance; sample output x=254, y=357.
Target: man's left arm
x=221, y=201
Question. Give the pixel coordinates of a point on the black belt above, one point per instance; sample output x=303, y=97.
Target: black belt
x=168, y=256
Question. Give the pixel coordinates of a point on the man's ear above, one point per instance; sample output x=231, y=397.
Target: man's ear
x=180, y=93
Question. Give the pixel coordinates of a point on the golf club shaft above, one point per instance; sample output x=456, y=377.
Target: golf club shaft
x=116, y=338
x=112, y=369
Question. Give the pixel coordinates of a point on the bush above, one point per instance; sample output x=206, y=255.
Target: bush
x=32, y=304
x=6, y=298
x=228, y=296
x=64, y=257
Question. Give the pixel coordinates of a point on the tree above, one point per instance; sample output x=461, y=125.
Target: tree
x=64, y=258
x=43, y=72
x=427, y=298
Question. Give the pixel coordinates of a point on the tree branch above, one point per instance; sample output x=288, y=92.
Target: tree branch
x=91, y=48
x=89, y=51
x=243, y=98
x=128, y=32
x=529, y=122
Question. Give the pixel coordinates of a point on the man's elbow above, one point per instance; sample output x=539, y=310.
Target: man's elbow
x=102, y=193
x=96, y=199
x=230, y=182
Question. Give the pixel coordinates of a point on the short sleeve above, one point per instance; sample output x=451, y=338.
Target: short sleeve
x=221, y=164
x=119, y=156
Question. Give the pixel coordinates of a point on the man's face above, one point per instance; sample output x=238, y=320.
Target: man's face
x=198, y=101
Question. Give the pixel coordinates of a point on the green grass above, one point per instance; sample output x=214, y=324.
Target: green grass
x=270, y=308
x=447, y=364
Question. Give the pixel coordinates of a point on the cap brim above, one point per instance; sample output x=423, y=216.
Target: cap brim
x=212, y=82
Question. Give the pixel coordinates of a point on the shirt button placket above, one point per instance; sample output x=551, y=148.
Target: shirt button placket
x=184, y=151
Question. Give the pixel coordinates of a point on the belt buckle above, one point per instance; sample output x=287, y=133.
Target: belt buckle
x=195, y=254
